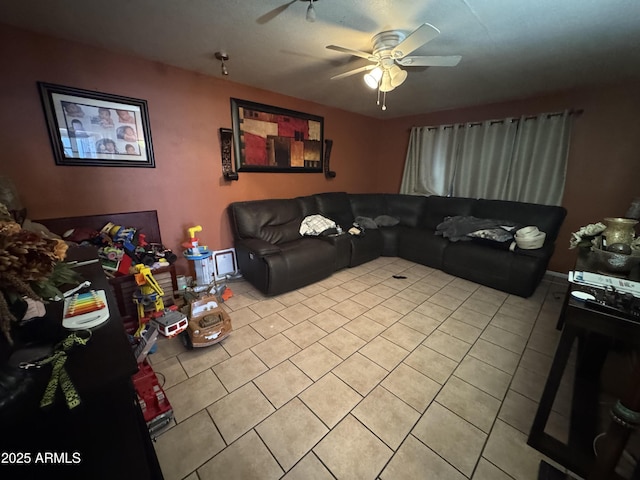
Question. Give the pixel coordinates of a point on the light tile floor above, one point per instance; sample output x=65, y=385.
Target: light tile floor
x=365, y=376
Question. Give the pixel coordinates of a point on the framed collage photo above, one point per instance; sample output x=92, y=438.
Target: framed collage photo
x=272, y=139
x=96, y=129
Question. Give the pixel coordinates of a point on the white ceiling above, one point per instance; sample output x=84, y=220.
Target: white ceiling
x=510, y=48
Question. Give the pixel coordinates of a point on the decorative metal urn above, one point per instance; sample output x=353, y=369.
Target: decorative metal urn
x=619, y=230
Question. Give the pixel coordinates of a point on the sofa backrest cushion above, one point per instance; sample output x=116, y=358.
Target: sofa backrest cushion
x=274, y=221
x=308, y=205
x=406, y=208
x=438, y=208
x=369, y=205
x=547, y=218
x=336, y=206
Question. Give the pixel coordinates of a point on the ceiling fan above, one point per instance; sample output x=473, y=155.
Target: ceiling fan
x=391, y=50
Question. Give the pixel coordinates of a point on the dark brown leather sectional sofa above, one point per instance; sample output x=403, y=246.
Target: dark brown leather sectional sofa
x=275, y=258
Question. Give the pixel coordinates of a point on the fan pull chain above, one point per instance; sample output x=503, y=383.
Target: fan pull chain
x=378, y=101
x=384, y=100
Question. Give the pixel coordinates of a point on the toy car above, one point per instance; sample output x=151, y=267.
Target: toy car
x=170, y=322
x=208, y=324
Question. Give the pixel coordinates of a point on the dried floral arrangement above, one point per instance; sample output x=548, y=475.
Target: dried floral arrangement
x=584, y=236
x=31, y=266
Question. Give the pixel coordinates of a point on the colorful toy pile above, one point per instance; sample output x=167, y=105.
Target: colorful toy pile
x=122, y=247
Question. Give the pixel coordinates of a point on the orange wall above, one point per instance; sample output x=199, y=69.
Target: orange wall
x=187, y=109
x=603, y=172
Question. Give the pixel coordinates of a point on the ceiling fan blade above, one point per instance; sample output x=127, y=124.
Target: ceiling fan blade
x=430, y=61
x=357, y=53
x=421, y=35
x=271, y=14
x=353, y=72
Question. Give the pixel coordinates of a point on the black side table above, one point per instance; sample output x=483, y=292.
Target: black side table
x=594, y=331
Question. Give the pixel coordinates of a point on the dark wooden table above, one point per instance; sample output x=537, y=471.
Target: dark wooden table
x=106, y=432
x=594, y=332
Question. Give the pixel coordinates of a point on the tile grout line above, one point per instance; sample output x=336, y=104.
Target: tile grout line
x=508, y=388
x=367, y=342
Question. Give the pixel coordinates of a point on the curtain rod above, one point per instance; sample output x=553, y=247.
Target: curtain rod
x=576, y=112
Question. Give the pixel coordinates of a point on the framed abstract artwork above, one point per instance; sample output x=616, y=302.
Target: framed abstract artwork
x=272, y=139
x=96, y=129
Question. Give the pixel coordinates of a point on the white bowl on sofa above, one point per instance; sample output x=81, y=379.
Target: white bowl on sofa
x=530, y=238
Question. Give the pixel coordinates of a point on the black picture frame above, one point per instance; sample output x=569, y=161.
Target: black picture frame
x=272, y=139
x=90, y=128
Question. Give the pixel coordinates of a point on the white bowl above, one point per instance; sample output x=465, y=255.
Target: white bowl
x=526, y=231
x=531, y=242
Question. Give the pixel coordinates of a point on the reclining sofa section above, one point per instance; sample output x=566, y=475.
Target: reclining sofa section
x=275, y=258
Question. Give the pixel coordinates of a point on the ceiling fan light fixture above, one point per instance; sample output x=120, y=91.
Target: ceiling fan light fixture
x=398, y=76
x=392, y=50
x=385, y=83
x=222, y=56
x=311, y=12
x=372, y=79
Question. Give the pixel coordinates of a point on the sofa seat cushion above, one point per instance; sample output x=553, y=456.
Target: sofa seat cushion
x=477, y=261
x=390, y=239
x=300, y=262
x=366, y=247
x=502, y=270
x=422, y=245
x=342, y=244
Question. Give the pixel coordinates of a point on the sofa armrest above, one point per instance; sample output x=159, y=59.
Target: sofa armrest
x=259, y=247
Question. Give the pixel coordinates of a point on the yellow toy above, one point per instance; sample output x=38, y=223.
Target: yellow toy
x=148, y=298
x=194, y=249
x=201, y=256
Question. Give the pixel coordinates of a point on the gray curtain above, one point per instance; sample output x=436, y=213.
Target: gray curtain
x=512, y=159
x=430, y=164
x=539, y=165
x=484, y=162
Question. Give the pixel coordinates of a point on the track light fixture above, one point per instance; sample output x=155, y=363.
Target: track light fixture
x=223, y=57
x=311, y=12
